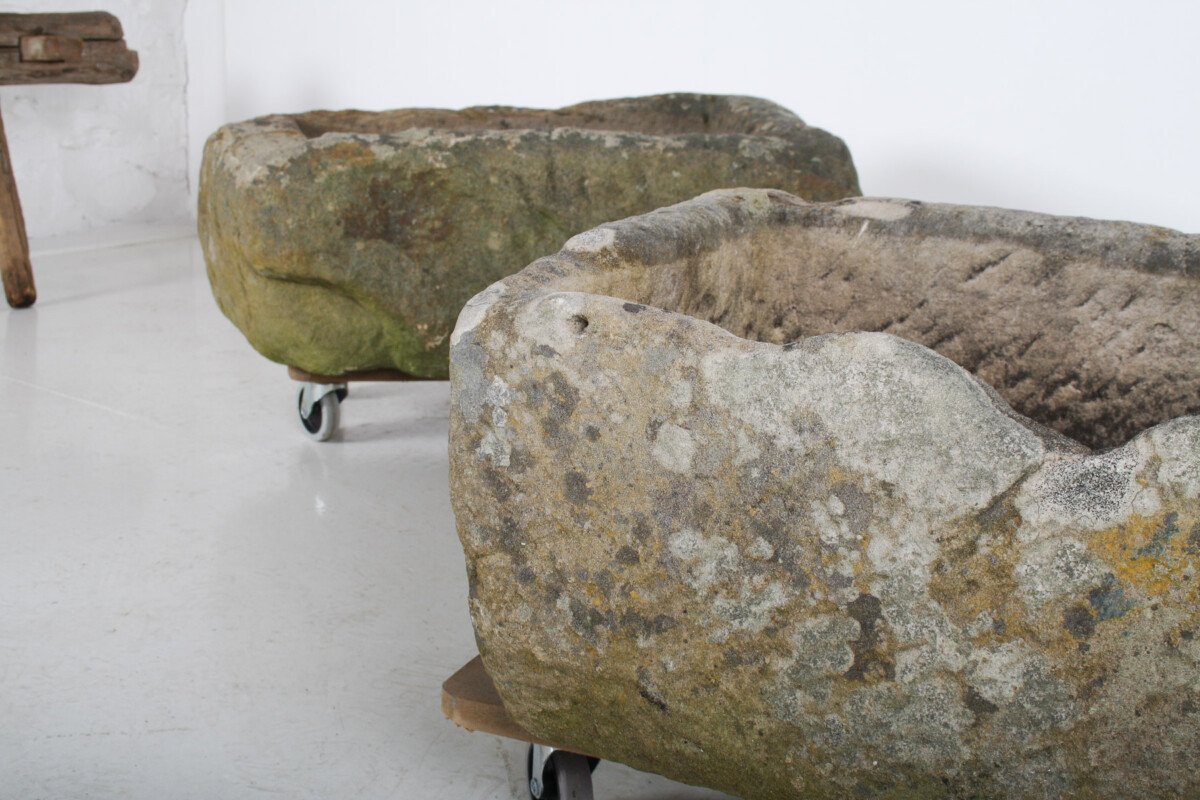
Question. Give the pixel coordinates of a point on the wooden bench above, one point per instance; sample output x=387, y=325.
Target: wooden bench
x=84, y=47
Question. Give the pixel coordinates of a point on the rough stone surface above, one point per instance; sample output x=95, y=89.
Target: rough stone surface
x=350, y=240
x=727, y=516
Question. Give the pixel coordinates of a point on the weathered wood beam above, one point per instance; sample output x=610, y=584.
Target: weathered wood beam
x=15, y=268
x=51, y=48
x=85, y=25
x=99, y=62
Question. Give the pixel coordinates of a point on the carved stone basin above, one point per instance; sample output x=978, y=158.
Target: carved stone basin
x=744, y=502
x=347, y=241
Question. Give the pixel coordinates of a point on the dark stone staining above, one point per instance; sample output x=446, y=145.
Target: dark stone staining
x=592, y=433
x=999, y=627
x=472, y=580
x=857, y=503
x=545, y=350
x=1161, y=259
x=1094, y=687
x=870, y=664
x=641, y=527
x=603, y=580
x=526, y=575
x=1080, y=622
x=1108, y=599
x=787, y=553
x=508, y=536
x=1193, y=541
x=641, y=624
x=743, y=658
x=563, y=396
x=978, y=704
x=1191, y=261
x=508, y=539
x=837, y=580
x=634, y=308
x=1158, y=544
x=588, y=620
x=649, y=692
x=627, y=556
x=404, y=217
x=575, y=487
x=497, y=484
x=519, y=461
x=556, y=399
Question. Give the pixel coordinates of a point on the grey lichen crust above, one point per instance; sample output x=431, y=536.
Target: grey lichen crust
x=733, y=513
x=342, y=241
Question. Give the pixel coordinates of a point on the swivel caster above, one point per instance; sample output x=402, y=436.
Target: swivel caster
x=558, y=774
x=318, y=405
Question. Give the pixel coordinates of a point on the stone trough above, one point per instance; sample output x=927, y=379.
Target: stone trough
x=864, y=499
x=347, y=241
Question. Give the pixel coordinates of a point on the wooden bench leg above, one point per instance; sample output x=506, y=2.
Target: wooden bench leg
x=14, y=247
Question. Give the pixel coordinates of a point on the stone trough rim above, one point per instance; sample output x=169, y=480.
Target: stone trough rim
x=599, y=248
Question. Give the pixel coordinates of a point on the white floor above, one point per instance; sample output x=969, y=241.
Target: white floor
x=196, y=601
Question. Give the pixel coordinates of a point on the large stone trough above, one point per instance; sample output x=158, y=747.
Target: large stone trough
x=348, y=241
x=745, y=500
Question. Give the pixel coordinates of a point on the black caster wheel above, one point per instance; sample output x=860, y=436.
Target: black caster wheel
x=562, y=775
x=322, y=419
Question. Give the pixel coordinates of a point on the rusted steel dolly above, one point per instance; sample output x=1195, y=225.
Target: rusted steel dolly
x=86, y=47
x=321, y=396
x=470, y=700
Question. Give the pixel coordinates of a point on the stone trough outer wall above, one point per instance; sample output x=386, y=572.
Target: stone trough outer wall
x=342, y=241
x=840, y=565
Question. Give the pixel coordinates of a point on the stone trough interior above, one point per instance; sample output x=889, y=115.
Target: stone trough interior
x=1095, y=338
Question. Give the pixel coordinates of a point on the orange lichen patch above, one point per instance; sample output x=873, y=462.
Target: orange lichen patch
x=1152, y=554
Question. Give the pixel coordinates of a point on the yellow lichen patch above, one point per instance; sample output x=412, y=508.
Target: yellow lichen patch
x=974, y=572
x=1152, y=554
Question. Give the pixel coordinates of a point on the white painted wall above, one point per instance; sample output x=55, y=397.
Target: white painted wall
x=1066, y=107
x=1062, y=106
x=94, y=157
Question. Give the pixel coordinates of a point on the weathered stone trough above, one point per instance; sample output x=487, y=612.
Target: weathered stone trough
x=740, y=504
x=348, y=241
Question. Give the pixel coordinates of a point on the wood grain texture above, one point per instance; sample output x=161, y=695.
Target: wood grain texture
x=81, y=25
x=99, y=62
x=51, y=48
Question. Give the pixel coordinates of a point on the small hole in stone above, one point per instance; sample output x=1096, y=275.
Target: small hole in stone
x=580, y=323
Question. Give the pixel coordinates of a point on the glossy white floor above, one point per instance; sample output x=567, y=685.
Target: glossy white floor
x=196, y=601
